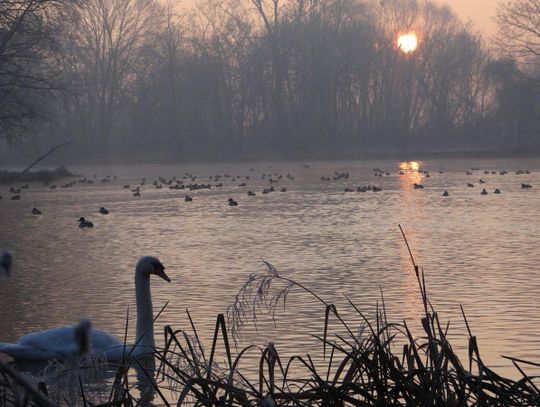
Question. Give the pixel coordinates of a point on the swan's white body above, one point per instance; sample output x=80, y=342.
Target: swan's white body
x=61, y=343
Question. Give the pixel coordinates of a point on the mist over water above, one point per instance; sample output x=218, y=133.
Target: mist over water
x=478, y=251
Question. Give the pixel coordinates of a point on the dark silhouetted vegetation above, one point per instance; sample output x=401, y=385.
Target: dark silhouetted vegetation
x=256, y=78
x=10, y=177
x=380, y=363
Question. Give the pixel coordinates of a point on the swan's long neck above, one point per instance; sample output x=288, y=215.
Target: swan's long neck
x=145, y=315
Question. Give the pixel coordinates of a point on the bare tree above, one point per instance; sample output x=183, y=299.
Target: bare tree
x=108, y=39
x=28, y=42
x=519, y=29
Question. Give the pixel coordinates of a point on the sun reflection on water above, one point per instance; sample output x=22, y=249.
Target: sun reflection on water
x=410, y=165
x=411, y=174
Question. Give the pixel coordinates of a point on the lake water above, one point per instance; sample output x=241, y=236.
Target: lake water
x=481, y=251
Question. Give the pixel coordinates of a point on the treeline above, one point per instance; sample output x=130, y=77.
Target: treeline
x=258, y=77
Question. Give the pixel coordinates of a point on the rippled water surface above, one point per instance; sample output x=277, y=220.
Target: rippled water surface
x=479, y=251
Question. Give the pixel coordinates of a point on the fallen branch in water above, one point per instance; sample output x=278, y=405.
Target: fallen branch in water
x=48, y=153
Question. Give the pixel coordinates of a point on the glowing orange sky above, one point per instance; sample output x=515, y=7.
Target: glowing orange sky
x=480, y=12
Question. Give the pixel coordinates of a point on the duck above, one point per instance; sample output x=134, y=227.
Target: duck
x=418, y=186
x=484, y=192
x=232, y=202
x=103, y=211
x=36, y=211
x=59, y=343
x=84, y=223
x=523, y=186
x=6, y=262
x=251, y=193
x=283, y=189
x=470, y=185
x=497, y=191
x=188, y=198
x=376, y=189
x=445, y=193
x=16, y=197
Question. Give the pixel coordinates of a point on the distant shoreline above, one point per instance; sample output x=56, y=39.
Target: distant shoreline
x=149, y=159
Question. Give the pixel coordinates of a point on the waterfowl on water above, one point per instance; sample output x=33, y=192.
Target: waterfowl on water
x=6, y=262
x=251, y=193
x=61, y=342
x=497, y=191
x=524, y=186
x=103, y=211
x=188, y=198
x=283, y=189
x=16, y=197
x=36, y=211
x=376, y=189
x=484, y=192
x=445, y=193
x=418, y=186
x=232, y=202
x=470, y=185
x=84, y=223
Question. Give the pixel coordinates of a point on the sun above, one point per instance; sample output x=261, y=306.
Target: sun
x=407, y=42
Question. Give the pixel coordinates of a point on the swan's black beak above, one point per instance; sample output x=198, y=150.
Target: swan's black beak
x=164, y=276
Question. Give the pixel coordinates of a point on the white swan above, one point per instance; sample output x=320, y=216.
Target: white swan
x=58, y=343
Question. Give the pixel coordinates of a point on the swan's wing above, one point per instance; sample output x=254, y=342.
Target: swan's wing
x=61, y=341
x=25, y=352
x=102, y=340
x=55, y=340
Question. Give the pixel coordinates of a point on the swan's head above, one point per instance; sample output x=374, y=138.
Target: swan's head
x=151, y=265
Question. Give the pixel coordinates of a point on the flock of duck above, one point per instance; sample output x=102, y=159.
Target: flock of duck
x=82, y=339
x=379, y=173
x=191, y=182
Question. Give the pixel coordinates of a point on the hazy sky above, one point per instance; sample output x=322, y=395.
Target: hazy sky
x=480, y=12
